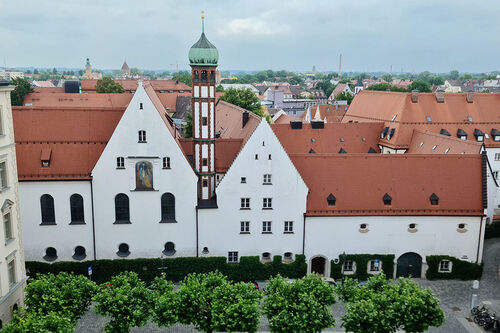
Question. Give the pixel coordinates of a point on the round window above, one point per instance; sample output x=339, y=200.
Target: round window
x=123, y=250
x=50, y=254
x=412, y=226
x=205, y=250
x=362, y=226
x=266, y=255
x=461, y=226
x=80, y=253
x=169, y=249
x=288, y=255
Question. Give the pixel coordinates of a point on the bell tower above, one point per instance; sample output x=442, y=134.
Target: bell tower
x=203, y=59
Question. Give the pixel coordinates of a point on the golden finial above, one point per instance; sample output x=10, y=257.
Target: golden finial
x=202, y=14
x=203, y=21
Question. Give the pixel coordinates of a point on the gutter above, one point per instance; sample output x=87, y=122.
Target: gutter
x=304, y=236
x=93, y=223
x=197, y=249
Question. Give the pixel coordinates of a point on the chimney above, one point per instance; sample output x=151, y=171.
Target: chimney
x=414, y=96
x=440, y=96
x=244, y=118
x=469, y=96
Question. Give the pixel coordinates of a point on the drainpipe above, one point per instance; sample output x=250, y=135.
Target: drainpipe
x=197, y=255
x=304, y=236
x=480, y=241
x=93, y=224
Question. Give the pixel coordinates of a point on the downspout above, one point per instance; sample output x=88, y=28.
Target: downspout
x=93, y=224
x=197, y=255
x=480, y=239
x=304, y=236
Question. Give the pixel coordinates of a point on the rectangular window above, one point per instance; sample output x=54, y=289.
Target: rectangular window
x=269, y=157
x=120, y=163
x=267, y=203
x=166, y=163
x=3, y=175
x=1, y=121
x=245, y=227
x=140, y=106
x=205, y=162
x=7, y=227
x=205, y=183
x=142, y=136
x=232, y=257
x=444, y=266
x=266, y=227
x=267, y=179
x=256, y=156
x=11, y=268
x=495, y=174
x=243, y=180
x=497, y=156
x=245, y=203
x=348, y=266
x=288, y=226
x=204, y=121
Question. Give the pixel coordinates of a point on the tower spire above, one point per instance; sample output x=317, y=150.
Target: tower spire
x=202, y=21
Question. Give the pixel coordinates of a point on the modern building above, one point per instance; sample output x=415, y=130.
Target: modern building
x=12, y=270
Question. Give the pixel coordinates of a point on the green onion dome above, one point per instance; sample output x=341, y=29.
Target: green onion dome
x=203, y=52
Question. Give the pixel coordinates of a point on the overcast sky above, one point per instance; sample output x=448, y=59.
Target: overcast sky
x=413, y=35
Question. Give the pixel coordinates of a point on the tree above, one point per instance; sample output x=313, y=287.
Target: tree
x=380, y=306
x=219, y=88
x=126, y=300
x=35, y=71
x=466, y=76
x=188, y=127
x=345, y=96
x=54, y=71
x=65, y=294
x=385, y=87
x=23, y=88
x=419, y=85
x=244, y=98
x=134, y=71
x=300, y=306
x=387, y=77
x=26, y=321
x=165, y=304
x=454, y=74
x=184, y=77
x=210, y=302
x=107, y=85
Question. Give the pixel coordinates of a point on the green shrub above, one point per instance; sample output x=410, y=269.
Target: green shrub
x=248, y=269
x=460, y=269
x=492, y=230
x=361, y=261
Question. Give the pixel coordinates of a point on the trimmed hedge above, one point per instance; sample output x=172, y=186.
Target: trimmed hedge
x=460, y=269
x=361, y=261
x=248, y=269
x=492, y=230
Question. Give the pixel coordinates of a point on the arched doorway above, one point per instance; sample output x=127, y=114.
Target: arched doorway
x=318, y=265
x=409, y=264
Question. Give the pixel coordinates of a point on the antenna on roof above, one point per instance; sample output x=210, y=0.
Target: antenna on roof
x=203, y=21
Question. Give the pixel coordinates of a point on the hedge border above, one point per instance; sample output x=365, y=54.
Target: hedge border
x=248, y=269
x=460, y=269
x=361, y=261
x=492, y=230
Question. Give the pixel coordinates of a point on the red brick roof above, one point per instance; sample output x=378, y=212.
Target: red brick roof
x=359, y=182
x=228, y=121
x=431, y=143
x=352, y=138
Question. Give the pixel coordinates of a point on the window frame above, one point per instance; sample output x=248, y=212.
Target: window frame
x=244, y=227
x=445, y=266
x=120, y=162
x=232, y=257
x=74, y=210
x=7, y=227
x=267, y=203
x=267, y=179
x=288, y=227
x=127, y=208
x=48, y=214
x=372, y=268
x=123, y=253
x=166, y=162
x=267, y=227
x=167, y=205
x=244, y=203
x=11, y=272
x=4, y=181
x=142, y=136
x=348, y=266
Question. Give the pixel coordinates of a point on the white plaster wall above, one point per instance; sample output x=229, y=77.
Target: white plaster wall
x=62, y=236
x=220, y=228
x=493, y=191
x=436, y=235
x=145, y=235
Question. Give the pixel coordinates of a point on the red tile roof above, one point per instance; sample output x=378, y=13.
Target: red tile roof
x=431, y=143
x=158, y=85
x=228, y=121
x=48, y=89
x=398, y=111
x=360, y=181
x=282, y=118
x=333, y=114
x=352, y=138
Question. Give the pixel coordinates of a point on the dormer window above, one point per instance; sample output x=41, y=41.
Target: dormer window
x=495, y=134
x=479, y=135
x=444, y=132
x=461, y=134
x=142, y=136
x=331, y=200
x=387, y=199
x=434, y=199
x=45, y=157
x=384, y=132
x=342, y=151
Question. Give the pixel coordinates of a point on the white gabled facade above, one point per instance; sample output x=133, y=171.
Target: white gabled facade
x=12, y=270
x=144, y=234
x=220, y=230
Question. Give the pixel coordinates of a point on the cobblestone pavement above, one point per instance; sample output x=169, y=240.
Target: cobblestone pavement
x=455, y=299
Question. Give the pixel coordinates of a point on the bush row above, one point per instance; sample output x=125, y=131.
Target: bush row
x=248, y=269
x=492, y=230
x=361, y=261
x=460, y=269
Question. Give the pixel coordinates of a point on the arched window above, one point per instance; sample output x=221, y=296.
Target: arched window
x=196, y=76
x=212, y=76
x=76, y=205
x=168, y=207
x=122, y=212
x=47, y=207
x=203, y=75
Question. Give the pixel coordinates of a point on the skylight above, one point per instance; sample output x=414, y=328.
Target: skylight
x=469, y=118
x=393, y=118
x=421, y=144
x=428, y=119
x=447, y=150
x=435, y=146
